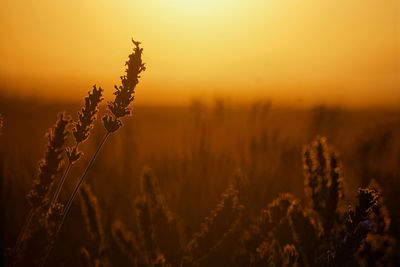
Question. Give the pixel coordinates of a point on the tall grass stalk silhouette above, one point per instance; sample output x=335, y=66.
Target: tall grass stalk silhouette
x=49, y=166
x=124, y=95
x=81, y=132
x=317, y=230
x=47, y=216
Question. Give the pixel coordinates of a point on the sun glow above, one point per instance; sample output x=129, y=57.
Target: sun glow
x=199, y=5
x=287, y=49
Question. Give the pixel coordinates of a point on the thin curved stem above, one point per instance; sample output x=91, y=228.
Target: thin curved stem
x=70, y=200
x=23, y=230
x=60, y=185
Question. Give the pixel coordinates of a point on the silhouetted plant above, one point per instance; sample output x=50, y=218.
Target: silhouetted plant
x=378, y=248
x=127, y=242
x=217, y=227
x=49, y=214
x=124, y=94
x=80, y=132
x=323, y=173
x=120, y=108
x=40, y=223
x=271, y=224
x=158, y=232
x=91, y=214
x=288, y=233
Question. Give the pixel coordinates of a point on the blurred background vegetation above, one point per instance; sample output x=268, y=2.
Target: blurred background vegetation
x=196, y=151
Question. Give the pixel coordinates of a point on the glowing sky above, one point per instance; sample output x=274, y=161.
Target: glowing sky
x=342, y=51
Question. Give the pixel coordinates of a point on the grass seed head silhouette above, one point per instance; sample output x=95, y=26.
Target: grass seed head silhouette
x=84, y=124
x=323, y=180
x=91, y=213
x=126, y=241
x=216, y=227
x=124, y=94
x=50, y=165
x=87, y=116
x=379, y=247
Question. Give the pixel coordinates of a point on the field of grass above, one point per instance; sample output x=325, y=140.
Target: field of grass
x=195, y=153
x=202, y=185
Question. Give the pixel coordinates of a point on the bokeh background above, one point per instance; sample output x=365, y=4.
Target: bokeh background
x=231, y=87
x=344, y=52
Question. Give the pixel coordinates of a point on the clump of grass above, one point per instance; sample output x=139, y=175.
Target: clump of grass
x=158, y=238
x=289, y=233
x=216, y=228
x=305, y=232
x=323, y=181
x=272, y=223
x=126, y=241
x=166, y=228
x=286, y=233
x=378, y=248
x=91, y=213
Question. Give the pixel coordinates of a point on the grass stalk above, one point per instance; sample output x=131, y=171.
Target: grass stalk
x=70, y=200
x=60, y=185
x=23, y=230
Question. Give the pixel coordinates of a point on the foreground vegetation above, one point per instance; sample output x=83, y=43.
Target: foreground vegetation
x=315, y=229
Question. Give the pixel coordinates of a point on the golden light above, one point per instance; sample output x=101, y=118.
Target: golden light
x=241, y=49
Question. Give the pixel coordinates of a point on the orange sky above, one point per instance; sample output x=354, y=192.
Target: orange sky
x=342, y=51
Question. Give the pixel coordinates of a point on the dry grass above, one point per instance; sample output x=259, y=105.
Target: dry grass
x=217, y=168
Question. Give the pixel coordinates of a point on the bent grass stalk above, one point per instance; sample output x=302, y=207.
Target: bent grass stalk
x=81, y=132
x=61, y=184
x=119, y=108
x=48, y=168
x=23, y=231
x=74, y=193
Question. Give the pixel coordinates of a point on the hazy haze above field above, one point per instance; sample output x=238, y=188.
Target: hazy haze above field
x=343, y=51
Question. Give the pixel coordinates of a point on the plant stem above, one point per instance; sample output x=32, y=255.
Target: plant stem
x=60, y=185
x=70, y=200
x=23, y=230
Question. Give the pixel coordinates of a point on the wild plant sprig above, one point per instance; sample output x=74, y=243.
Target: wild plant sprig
x=87, y=115
x=70, y=200
x=219, y=225
x=49, y=167
x=124, y=94
x=81, y=132
x=119, y=107
x=126, y=241
x=91, y=213
x=323, y=181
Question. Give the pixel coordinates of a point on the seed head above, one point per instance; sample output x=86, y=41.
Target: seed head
x=111, y=124
x=73, y=154
x=124, y=94
x=87, y=116
x=50, y=165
